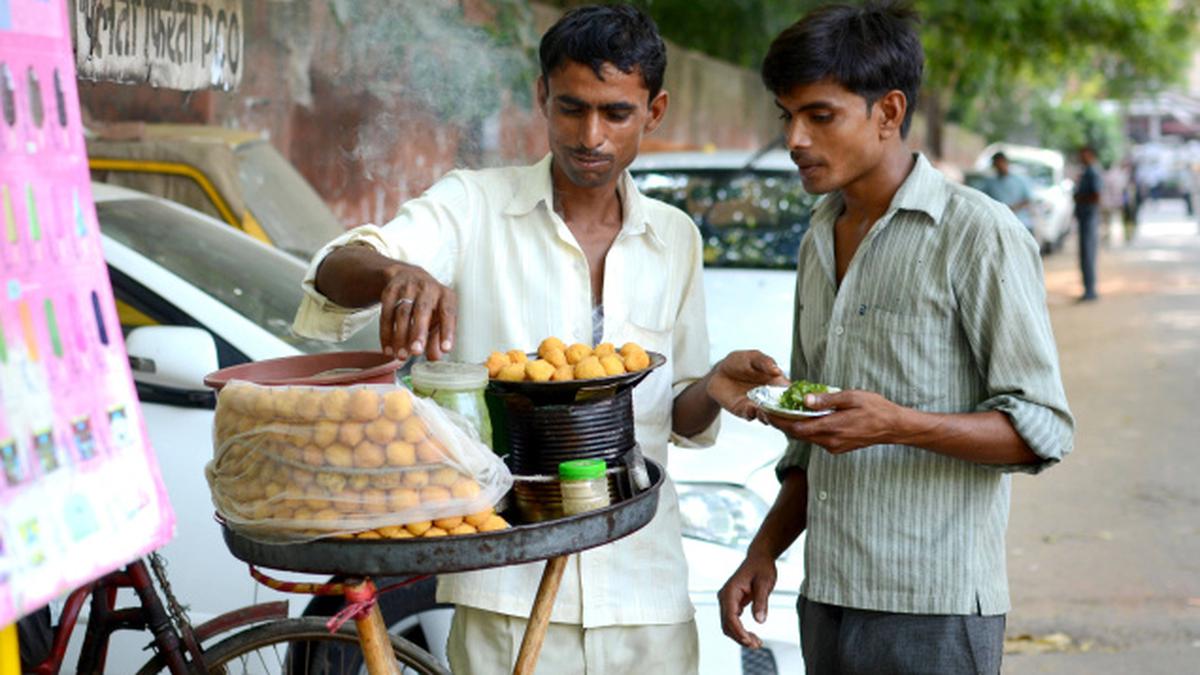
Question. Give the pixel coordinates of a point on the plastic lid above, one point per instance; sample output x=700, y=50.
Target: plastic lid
x=582, y=469
x=449, y=375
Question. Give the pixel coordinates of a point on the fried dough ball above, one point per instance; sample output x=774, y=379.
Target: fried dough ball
x=539, y=371
x=400, y=453
x=394, y=532
x=464, y=488
x=368, y=455
x=381, y=430
x=429, y=452
x=387, y=479
x=630, y=348
x=478, y=519
x=339, y=455
x=463, y=529
x=493, y=523
x=403, y=498
x=578, y=352
x=262, y=403
x=413, y=430
x=445, y=476
x=335, y=404
x=286, y=400
x=314, y=498
x=496, y=361
x=350, y=433
x=332, y=482
x=302, y=477
x=448, y=523
x=308, y=405
x=416, y=479
x=512, y=373
x=313, y=455
x=374, y=500
x=369, y=534
x=604, y=349
x=397, y=405
x=434, y=493
x=636, y=361
x=435, y=532
x=364, y=404
x=358, y=482
x=555, y=357
x=588, y=368
x=612, y=364
x=233, y=396
x=516, y=356
x=419, y=528
x=549, y=344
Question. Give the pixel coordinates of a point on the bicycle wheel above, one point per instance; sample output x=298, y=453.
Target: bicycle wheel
x=302, y=646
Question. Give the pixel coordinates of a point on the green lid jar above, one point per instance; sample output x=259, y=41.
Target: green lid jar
x=458, y=387
x=584, y=485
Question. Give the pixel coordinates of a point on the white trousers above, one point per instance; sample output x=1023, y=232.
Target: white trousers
x=487, y=643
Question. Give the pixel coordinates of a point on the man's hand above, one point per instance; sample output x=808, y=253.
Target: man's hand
x=738, y=373
x=418, y=314
x=751, y=583
x=860, y=419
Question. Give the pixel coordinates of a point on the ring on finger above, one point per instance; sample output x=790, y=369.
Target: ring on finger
x=404, y=301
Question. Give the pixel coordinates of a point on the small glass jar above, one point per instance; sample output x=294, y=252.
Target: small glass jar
x=458, y=387
x=584, y=485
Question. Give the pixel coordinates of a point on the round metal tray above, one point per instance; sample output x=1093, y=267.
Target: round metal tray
x=575, y=390
x=518, y=544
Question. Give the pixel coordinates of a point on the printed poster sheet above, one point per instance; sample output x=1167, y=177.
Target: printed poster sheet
x=80, y=491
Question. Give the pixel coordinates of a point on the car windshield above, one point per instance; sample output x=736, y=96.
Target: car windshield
x=258, y=283
x=284, y=204
x=754, y=218
x=1040, y=174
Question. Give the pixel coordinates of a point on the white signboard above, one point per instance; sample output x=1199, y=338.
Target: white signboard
x=177, y=44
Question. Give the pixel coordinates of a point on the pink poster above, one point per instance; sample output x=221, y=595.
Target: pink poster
x=80, y=491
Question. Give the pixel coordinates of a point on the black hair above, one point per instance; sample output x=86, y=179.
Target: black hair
x=870, y=50
x=999, y=156
x=597, y=34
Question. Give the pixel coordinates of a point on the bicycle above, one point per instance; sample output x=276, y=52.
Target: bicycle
x=254, y=639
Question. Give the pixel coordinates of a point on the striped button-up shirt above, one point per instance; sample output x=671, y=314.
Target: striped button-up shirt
x=520, y=275
x=942, y=309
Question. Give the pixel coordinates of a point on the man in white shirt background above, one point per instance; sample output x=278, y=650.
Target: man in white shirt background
x=500, y=258
x=1011, y=190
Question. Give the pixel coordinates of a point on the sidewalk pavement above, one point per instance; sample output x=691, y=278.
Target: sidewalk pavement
x=1104, y=550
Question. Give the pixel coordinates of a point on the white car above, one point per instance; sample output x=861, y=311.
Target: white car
x=1053, y=199
x=182, y=279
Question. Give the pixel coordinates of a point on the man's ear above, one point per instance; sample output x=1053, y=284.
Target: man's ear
x=542, y=92
x=658, y=110
x=892, y=108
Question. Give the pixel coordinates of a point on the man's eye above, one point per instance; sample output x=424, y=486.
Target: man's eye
x=785, y=115
x=821, y=118
x=570, y=110
x=618, y=116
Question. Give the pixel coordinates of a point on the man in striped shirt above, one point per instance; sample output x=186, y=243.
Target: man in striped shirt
x=924, y=301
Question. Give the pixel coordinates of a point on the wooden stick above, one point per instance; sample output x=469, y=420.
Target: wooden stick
x=539, y=618
x=372, y=634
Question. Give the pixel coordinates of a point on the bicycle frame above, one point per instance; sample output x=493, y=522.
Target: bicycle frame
x=181, y=649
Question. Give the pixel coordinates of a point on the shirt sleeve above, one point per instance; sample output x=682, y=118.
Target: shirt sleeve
x=797, y=453
x=1002, y=309
x=690, y=341
x=426, y=232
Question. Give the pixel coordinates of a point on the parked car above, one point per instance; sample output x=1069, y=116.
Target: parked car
x=1053, y=200
x=174, y=270
x=232, y=175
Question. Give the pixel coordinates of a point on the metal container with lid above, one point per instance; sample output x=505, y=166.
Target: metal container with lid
x=458, y=387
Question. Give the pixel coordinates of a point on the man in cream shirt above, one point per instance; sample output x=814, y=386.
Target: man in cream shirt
x=499, y=259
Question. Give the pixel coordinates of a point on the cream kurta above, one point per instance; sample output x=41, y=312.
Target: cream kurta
x=520, y=276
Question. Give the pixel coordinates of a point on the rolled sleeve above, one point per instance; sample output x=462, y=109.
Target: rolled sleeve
x=1003, y=303
x=795, y=457
x=321, y=318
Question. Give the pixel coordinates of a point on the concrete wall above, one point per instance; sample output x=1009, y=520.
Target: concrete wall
x=358, y=95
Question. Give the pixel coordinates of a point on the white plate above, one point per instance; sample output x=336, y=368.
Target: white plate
x=767, y=398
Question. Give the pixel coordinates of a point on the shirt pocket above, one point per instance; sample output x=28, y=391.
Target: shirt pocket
x=907, y=358
x=652, y=396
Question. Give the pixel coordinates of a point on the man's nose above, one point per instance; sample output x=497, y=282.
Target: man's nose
x=591, y=133
x=797, y=135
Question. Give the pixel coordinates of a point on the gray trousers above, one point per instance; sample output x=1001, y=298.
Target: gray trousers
x=846, y=641
x=1088, y=226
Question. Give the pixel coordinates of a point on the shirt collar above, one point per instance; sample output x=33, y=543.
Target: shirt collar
x=536, y=187
x=924, y=191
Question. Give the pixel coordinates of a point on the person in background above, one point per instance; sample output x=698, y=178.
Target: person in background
x=1011, y=190
x=924, y=301
x=1112, y=200
x=501, y=258
x=1087, y=215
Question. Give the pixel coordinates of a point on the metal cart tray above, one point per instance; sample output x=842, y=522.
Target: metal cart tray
x=518, y=544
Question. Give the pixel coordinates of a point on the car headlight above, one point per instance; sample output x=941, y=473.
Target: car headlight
x=720, y=513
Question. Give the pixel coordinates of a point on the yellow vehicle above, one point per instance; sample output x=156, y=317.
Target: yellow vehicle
x=233, y=175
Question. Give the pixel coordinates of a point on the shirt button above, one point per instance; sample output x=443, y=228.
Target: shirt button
x=839, y=330
x=822, y=495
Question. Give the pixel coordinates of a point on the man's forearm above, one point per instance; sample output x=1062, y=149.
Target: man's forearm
x=693, y=409
x=986, y=437
x=786, y=520
x=354, y=276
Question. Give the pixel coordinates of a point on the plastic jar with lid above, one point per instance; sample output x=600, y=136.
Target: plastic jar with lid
x=458, y=387
x=584, y=485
